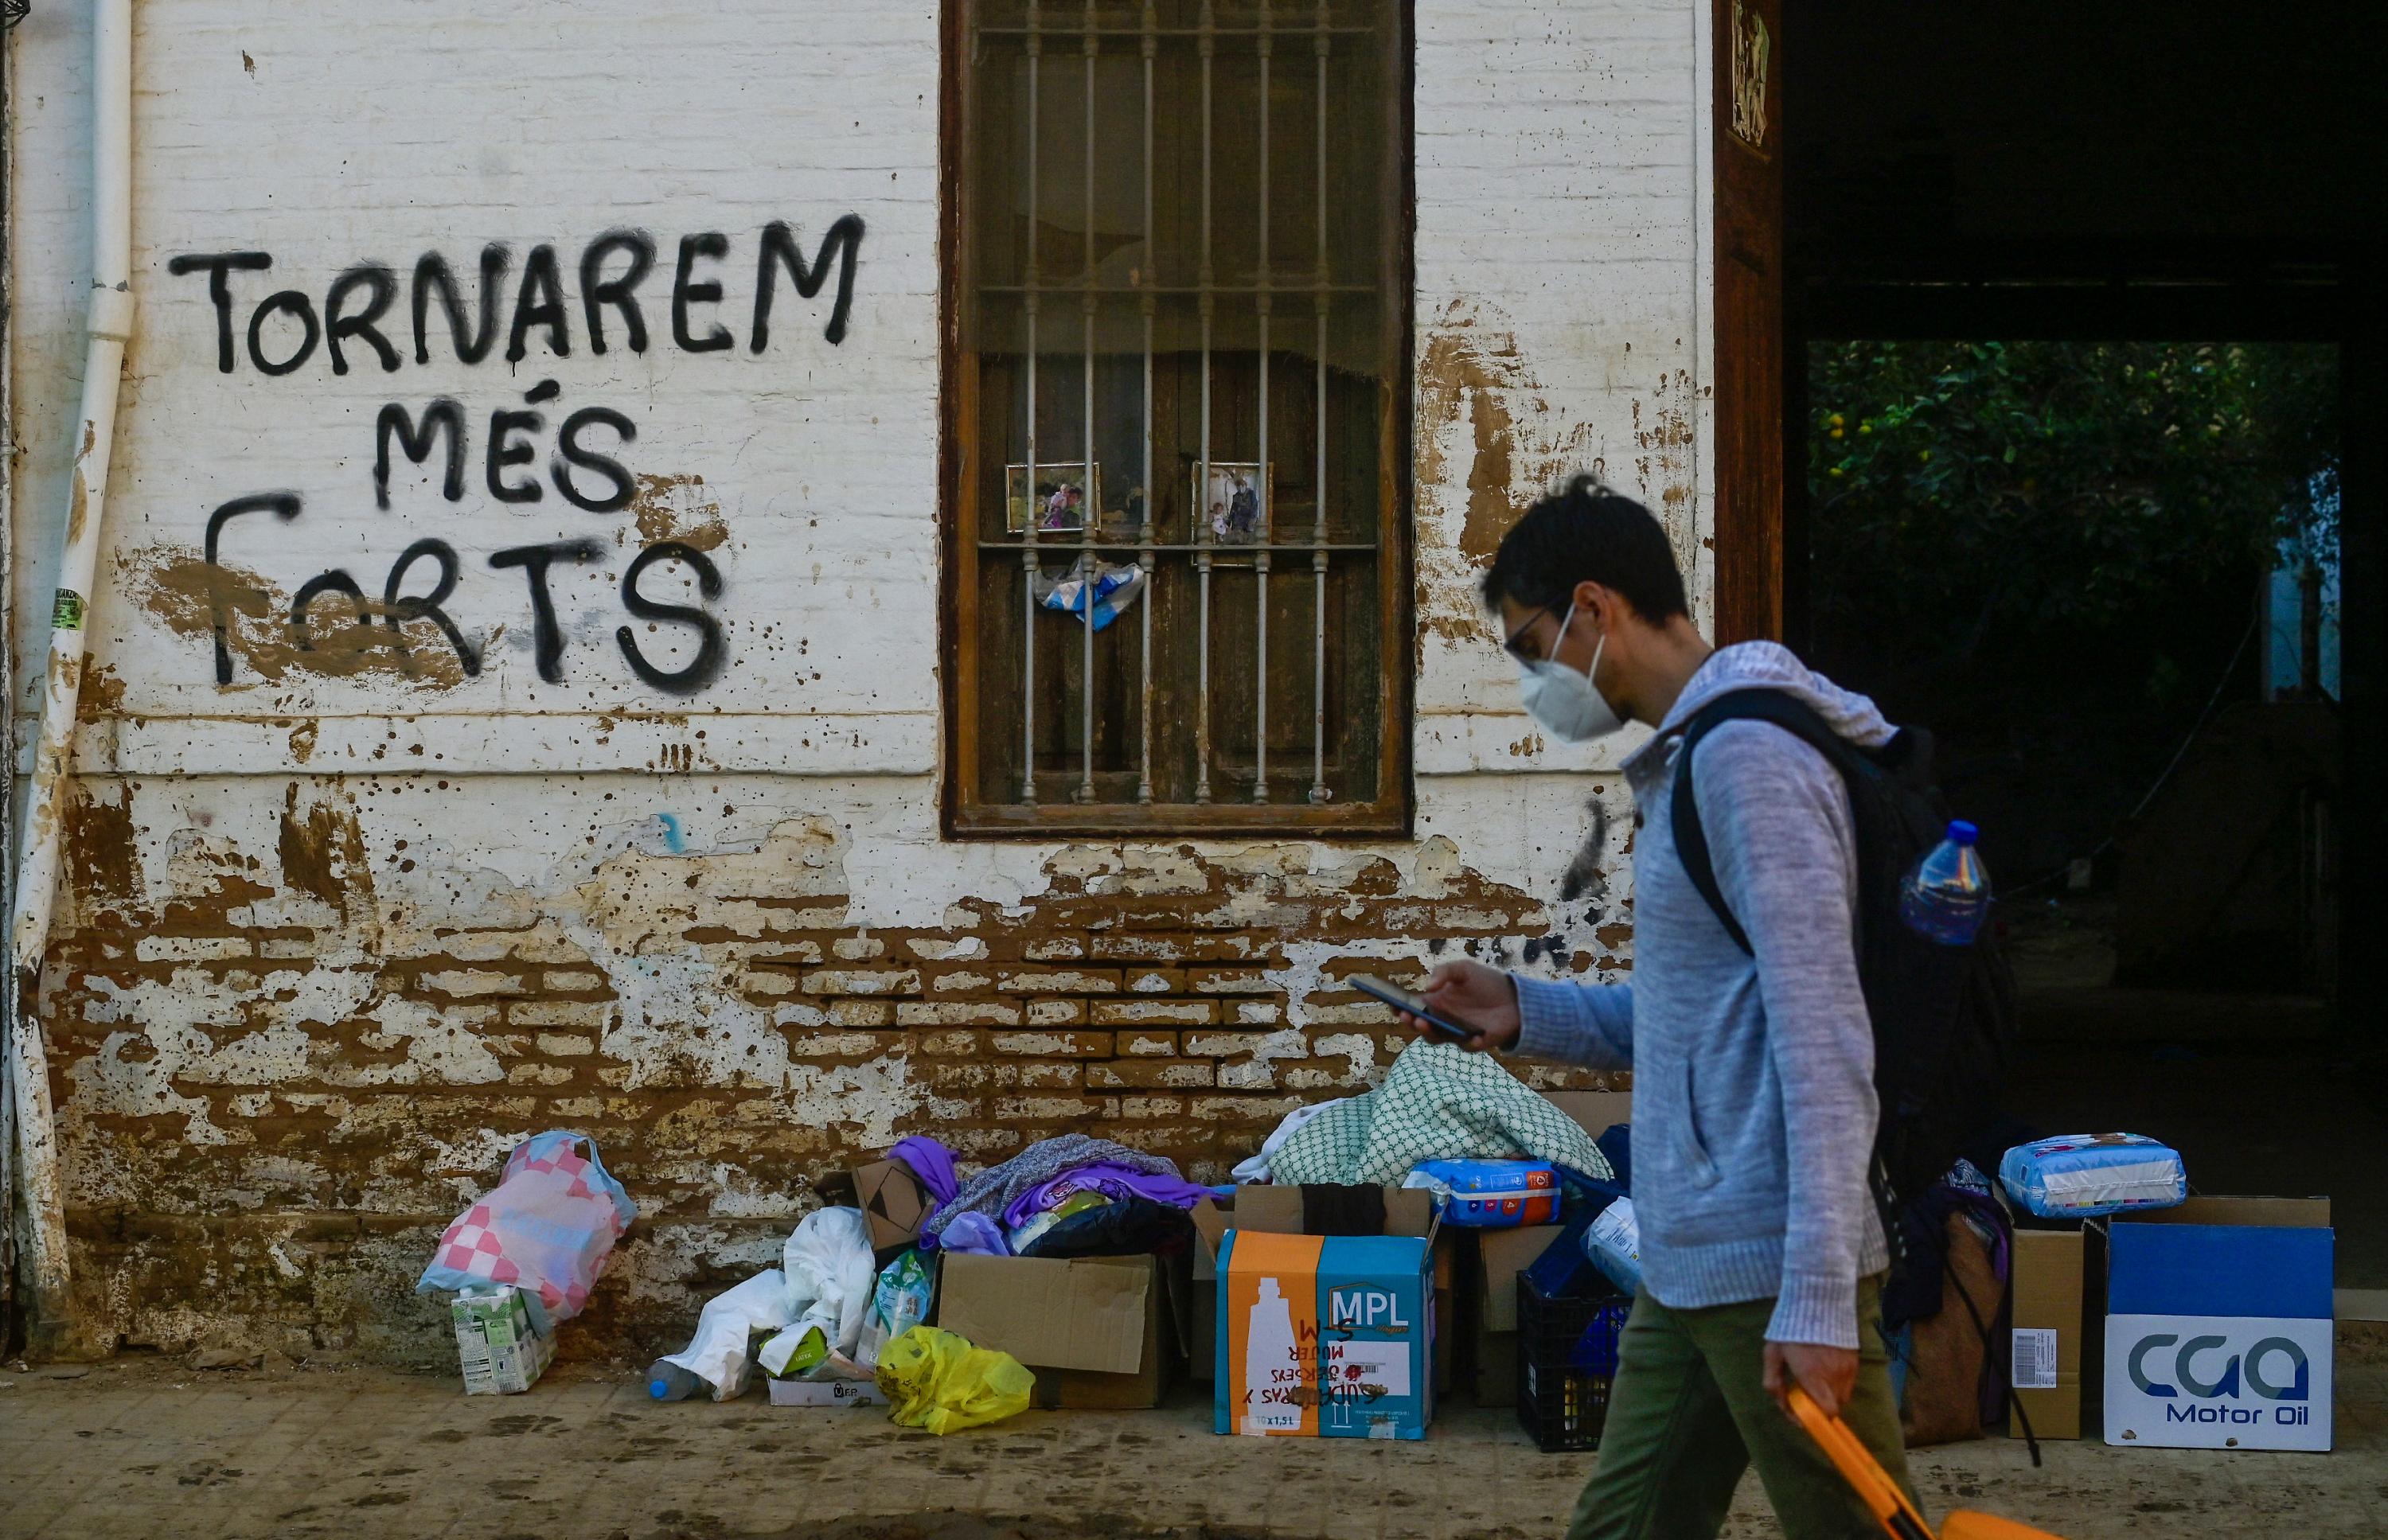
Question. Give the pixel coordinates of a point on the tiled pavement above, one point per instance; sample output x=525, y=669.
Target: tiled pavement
x=153, y=1449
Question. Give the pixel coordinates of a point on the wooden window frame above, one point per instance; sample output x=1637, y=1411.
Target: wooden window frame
x=963, y=815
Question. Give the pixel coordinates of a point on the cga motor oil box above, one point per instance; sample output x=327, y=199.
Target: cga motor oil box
x=1325, y=1336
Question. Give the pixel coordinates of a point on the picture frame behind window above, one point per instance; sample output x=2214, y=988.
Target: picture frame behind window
x=1061, y=498
x=1235, y=509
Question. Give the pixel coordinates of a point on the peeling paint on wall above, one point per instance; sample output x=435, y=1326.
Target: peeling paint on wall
x=314, y=1012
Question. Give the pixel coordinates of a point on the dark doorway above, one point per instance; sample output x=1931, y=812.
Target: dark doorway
x=2003, y=227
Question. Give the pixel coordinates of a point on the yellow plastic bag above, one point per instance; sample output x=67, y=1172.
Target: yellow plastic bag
x=937, y=1380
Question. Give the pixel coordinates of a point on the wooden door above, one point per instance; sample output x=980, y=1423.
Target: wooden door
x=1748, y=318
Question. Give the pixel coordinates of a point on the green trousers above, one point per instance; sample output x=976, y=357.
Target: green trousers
x=1688, y=1413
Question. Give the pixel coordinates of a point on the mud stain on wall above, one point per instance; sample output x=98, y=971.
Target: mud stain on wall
x=1492, y=500
x=343, y=639
x=102, y=694
x=323, y=854
x=1662, y=436
x=103, y=865
x=677, y=508
x=1472, y=370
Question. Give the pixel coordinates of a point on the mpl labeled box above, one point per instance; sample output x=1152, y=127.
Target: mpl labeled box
x=1325, y=1336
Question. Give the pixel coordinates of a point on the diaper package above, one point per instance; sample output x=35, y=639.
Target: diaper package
x=2082, y=1176
x=1491, y=1194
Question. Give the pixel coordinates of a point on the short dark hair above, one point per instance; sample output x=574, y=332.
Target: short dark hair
x=1587, y=531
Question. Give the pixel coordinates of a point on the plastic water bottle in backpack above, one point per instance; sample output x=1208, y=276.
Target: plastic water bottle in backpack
x=1947, y=895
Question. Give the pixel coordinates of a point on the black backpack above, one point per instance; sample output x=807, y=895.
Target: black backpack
x=1944, y=1016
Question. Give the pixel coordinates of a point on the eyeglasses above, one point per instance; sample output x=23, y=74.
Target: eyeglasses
x=1511, y=645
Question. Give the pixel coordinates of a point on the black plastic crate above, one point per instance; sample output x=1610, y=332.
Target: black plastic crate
x=1567, y=1354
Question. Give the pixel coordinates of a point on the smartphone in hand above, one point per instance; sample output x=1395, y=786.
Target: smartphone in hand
x=1415, y=1004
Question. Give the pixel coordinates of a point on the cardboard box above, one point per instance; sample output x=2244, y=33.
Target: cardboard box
x=2218, y=1326
x=892, y=1204
x=825, y=1393
x=1489, y=1307
x=1446, y=1309
x=1325, y=1336
x=1277, y=1211
x=1089, y=1327
x=1595, y=1112
x=498, y=1340
x=2049, y=1329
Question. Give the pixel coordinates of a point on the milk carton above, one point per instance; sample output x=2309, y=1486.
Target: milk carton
x=498, y=1341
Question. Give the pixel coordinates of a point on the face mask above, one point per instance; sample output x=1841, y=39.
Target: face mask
x=1563, y=701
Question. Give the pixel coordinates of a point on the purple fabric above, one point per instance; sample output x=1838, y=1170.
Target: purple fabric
x=994, y=1191
x=974, y=1233
x=1111, y=1180
x=932, y=1162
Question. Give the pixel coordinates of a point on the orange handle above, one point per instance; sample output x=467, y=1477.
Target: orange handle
x=1861, y=1469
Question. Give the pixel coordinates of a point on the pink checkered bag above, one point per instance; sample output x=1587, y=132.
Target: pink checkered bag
x=547, y=1228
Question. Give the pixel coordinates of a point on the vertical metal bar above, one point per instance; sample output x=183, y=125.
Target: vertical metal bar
x=1093, y=514
x=1203, y=484
x=1260, y=558
x=1144, y=533
x=1028, y=535
x=1318, y=792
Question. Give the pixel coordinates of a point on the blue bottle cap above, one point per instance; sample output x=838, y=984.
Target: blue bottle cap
x=659, y=1388
x=1962, y=832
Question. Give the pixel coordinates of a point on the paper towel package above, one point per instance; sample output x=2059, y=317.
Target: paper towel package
x=1325, y=1336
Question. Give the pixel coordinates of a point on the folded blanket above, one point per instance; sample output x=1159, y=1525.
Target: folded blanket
x=1437, y=1103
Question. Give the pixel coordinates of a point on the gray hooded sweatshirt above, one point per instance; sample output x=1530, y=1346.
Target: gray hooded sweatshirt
x=1753, y=1075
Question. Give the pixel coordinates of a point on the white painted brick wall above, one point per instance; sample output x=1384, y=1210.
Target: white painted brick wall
x=1561, y=247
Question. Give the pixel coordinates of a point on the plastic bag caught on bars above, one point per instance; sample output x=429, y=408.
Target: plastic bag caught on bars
x=1114, y=590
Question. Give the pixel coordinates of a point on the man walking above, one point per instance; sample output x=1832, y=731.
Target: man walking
x=1754, y=1108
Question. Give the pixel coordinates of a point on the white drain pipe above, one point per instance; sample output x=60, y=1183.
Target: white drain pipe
x=110, y=327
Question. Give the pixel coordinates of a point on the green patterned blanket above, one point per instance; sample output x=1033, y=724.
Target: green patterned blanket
x=1437, y=1103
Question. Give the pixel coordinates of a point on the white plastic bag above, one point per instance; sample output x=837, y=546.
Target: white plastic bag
x=1613, y=1244
x=829, y=1273
x=718, y=1356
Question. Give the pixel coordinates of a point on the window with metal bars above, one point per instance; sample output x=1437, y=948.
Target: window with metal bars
x=1177, y=416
